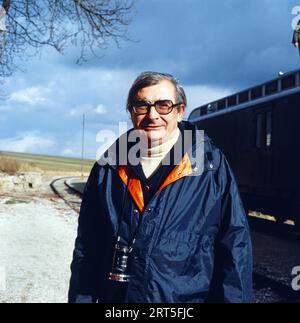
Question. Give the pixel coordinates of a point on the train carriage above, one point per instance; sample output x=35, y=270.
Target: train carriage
x=258, y=129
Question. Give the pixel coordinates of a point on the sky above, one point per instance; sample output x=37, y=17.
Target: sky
x=215, y=48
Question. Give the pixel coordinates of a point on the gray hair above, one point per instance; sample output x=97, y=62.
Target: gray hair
x=152, y=78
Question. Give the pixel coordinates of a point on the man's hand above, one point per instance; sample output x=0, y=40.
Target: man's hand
x=296, y=45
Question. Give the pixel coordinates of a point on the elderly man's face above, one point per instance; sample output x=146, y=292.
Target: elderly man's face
x=158, y=128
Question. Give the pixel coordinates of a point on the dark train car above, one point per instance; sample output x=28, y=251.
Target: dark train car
x=259, y=131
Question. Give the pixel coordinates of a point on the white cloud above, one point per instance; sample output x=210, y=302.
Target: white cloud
x=31, y=95
x=79, y=110
x=100, y=109
x=27, y=143
x=68, y=152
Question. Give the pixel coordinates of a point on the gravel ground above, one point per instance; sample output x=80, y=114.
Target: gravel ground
x=37, y=234
x=275, y=258
x=277, y=254
x=36, y=237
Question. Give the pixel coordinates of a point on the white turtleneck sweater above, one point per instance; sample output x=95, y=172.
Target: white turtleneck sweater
x=152, y=157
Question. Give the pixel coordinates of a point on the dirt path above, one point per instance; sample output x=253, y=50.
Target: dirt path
x=36, y=237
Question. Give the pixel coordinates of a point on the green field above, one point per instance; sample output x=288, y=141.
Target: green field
x=50, y=163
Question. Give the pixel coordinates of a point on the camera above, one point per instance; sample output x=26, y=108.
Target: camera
x=120, y=267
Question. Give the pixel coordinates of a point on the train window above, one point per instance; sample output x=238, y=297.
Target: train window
x=232, y=100
x=195, y=114
x=243, y=97
x=288, y=82
x=203, y=111
x=221, y=104
x=256, y=92
x=271, y=87
x=259, y=129
x=211, y=107
x=263, y=129
x=269, y=129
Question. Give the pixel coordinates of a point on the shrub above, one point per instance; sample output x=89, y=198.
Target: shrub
x=9, y=166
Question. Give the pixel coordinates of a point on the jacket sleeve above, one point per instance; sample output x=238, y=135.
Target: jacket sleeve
x=232, y=281
x=296, y=33
x=295, y=37
x=82, y=287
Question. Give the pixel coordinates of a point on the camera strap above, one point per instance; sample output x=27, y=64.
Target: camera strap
x=124, y=204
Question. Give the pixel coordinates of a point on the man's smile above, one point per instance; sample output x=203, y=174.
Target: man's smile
x=152, y=127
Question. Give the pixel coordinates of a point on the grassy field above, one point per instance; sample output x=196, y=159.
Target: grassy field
x=49, y=163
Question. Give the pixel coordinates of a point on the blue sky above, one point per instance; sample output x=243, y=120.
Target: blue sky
x=213, y=47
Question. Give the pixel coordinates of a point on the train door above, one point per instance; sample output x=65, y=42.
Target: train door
x=263, y=119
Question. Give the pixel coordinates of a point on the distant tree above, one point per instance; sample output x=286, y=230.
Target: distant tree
x=26, y=26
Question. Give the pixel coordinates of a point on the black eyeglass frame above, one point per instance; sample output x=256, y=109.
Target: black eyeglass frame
x=149, y=105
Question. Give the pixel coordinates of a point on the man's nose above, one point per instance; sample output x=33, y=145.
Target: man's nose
x=152, y=113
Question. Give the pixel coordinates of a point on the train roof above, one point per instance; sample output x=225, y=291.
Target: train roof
x=284, y=85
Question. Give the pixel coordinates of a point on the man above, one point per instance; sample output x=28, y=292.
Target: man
x=163, y=229
x=296, y=36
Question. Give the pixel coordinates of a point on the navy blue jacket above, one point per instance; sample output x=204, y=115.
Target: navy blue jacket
x=193, y=244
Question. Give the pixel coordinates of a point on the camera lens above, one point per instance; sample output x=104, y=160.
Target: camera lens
x=120, y=270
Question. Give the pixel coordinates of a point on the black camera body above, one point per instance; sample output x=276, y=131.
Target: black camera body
x=120, y=268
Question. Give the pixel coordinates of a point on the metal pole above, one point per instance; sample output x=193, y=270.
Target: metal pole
x=82, y=146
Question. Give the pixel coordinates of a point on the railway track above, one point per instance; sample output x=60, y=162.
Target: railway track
x=70, y=194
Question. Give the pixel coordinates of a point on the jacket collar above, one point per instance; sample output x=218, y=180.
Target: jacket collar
x=134, y=184
x=185, y=167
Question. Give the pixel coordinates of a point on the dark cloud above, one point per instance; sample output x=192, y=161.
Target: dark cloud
x=233, y=43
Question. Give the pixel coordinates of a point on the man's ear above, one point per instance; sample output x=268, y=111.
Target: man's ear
x=180, y=113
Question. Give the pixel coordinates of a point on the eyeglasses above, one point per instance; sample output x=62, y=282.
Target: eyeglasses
x=162, y=107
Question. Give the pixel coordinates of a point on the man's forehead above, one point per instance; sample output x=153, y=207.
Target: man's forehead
x=163, y=88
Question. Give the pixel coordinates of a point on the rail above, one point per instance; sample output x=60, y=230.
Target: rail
x=57, y=185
